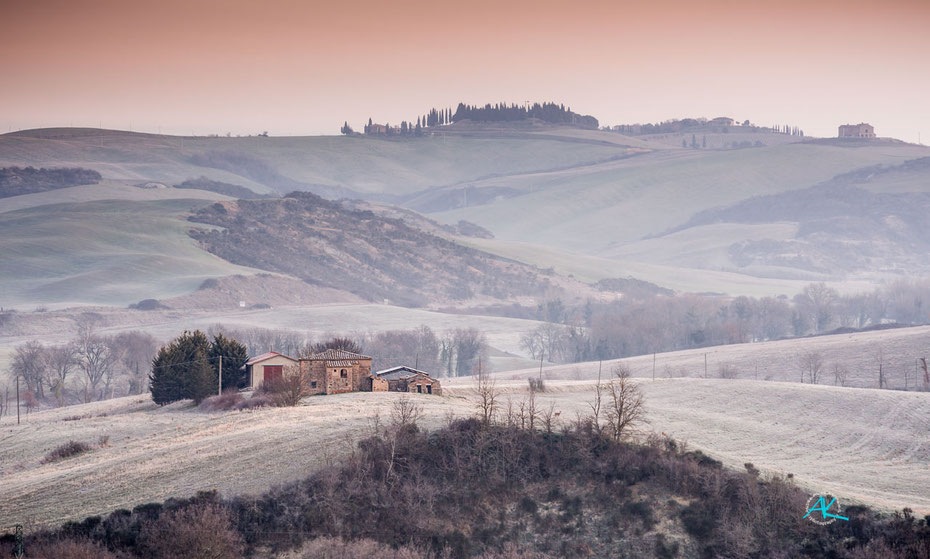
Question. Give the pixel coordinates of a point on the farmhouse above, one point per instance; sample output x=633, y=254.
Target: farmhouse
x=335, y=371
x=408, y=379
x=266, y=367
x=861, y=130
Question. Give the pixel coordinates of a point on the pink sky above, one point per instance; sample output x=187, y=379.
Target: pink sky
x=298, y=67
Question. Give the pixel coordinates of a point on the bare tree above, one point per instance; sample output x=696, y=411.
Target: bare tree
x=810, y=364
x=60, y=361
x=487, y=396
x=96, y=361
x=532, y=414
x=291, y=387
x=548, y=418
x=547, y=340
x=727, y=371
x=880, y=361
x=840, y=374
x=625, y=403
x=598, y=397
x=28, y=364
x=405, y=412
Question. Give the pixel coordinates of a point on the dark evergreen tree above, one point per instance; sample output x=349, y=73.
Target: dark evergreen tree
x=234, y=357
x=182, y=370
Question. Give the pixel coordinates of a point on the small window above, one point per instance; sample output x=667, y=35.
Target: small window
x=343, y=373
x=429, y=388
x=313, y=384
x=420, y=389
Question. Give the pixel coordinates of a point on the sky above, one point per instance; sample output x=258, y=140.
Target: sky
x=302, y=67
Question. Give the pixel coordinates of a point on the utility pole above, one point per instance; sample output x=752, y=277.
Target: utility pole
x=17, y=399
x=653, y=366
x=219, y=378
x=705, y=365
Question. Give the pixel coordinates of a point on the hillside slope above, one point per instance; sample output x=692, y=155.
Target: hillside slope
x=159, y=452
x=331, y=166
x=372, y=256
x=112, y=252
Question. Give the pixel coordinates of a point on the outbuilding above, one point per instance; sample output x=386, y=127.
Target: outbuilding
x=408, y=379
x=266, y=367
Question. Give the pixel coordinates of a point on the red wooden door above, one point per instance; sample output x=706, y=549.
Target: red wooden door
x=273, y=371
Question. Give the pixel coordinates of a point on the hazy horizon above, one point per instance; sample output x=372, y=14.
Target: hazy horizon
x=296, y=69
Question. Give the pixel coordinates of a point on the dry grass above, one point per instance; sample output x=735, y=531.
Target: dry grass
x=778, y=360
x=866, y=445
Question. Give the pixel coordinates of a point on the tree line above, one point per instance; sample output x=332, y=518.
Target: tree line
x=658, y=323
x=15, y=181
x=499, y=112
x=94, y=367
x=87, y=368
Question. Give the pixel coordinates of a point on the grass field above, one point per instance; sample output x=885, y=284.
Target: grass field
x=365, y=165
x=111, y=252
x=106, y=190
x=620, y=202
x=859, y=353
x=865, y=445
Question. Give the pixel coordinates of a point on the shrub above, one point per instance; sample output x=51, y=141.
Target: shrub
x=334, y=548
x=147, y=305
x=727, y=371
x=67, y=450
x=229, y=399
x=68, y=549
x=200, y=531
x=259, y=400
x=290, y=388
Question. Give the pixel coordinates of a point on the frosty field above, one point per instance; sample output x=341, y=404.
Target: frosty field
x=865, y=445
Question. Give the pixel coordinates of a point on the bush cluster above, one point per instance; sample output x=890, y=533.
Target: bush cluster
x=474, y=489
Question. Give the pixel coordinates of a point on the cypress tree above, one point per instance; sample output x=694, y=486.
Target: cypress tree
x=182, y=370
x=234, y=357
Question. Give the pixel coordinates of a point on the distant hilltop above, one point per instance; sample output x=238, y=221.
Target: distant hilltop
x=500, y=112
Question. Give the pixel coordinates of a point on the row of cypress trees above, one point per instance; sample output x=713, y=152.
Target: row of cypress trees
x=188, y=367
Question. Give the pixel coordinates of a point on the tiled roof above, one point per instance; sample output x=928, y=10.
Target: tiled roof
x=399, y=373
x=337, y=355
x=338, y=363
x=265, y=356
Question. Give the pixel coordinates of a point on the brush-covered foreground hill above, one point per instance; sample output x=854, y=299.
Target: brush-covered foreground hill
x=154, y=453
x=375, y=257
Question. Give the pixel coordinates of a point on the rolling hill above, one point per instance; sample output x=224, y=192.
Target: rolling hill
x=579, y=201
x=107, y=252
x=154, y=453
x=375, y=257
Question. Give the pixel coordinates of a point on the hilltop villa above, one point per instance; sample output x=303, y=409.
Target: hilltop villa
x=335, y=371
x=861, y=130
